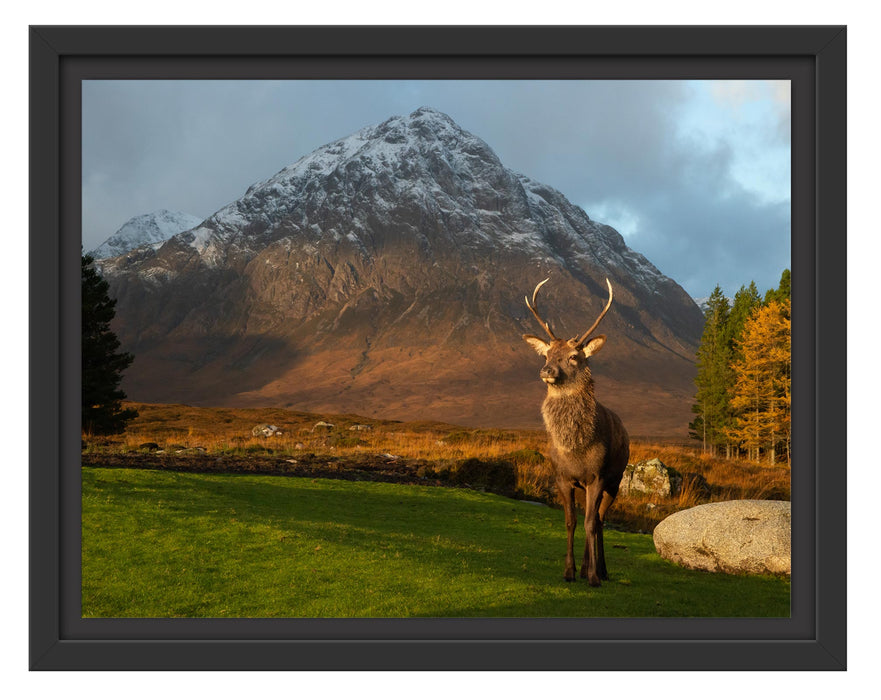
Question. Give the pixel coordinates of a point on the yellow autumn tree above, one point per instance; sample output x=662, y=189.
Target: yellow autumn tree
x=762, y=398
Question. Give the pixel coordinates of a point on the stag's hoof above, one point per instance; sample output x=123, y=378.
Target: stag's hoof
x=593, y=580
x=569, y=575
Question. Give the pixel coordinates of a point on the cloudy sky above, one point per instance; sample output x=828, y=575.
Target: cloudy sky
x=694, y=175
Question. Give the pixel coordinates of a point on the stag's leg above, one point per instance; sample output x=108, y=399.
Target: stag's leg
x=593, y=529
x=567, y=496
x=601, y=554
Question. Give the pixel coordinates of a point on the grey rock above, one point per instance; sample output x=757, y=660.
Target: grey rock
x=265, y=430
x=736, y=537
x=652, y=477
x=323, y=424
x=361, y=427
x=191, y=451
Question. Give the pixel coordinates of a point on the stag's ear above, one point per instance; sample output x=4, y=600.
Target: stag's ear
x=594, y=345
x=539, y=345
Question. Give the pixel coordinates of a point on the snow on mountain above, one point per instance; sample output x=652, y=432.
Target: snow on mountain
x=147, y=229
x=425, y=160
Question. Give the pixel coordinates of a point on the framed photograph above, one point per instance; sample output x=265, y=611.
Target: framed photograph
x=304, y=253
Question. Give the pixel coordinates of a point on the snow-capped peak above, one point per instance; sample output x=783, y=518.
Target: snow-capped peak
x=422, y=155
x=418, y=175
x=146, y=229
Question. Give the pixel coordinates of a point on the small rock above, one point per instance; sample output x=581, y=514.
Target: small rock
x=148, y=446
x=651, y=476
x=323, y=424
x=265, y=430
x=360, y=426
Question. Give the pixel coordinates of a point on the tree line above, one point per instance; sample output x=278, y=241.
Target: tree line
x=744, y=380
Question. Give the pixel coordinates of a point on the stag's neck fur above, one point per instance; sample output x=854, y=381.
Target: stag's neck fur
x=569, y=414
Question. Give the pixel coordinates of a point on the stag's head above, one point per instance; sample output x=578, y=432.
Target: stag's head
x=565, y=360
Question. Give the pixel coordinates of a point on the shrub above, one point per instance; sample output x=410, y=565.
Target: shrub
x=495, y=475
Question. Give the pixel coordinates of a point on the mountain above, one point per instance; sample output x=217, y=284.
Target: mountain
x=702, y=303
x=147, y=229
x=384, y=274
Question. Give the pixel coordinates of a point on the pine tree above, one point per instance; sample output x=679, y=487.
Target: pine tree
x=746, y=300
x=783, y=291
x=102, y=364
x=762, y=395
x=714, y=375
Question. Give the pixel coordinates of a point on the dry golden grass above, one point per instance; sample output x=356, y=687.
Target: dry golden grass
x=228, y=431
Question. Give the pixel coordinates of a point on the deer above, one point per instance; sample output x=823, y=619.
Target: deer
x=588, y=445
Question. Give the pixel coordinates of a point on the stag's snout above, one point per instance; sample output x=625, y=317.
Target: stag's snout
x=549, y=374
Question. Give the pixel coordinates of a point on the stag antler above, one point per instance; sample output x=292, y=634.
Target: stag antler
x=600, y=318
x=544, y=324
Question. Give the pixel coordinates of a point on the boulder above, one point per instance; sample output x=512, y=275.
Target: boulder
x=360, y=427
x=651, y=476
x=324, y=425
x=265, y=430
x=736, y=537
x=191, y=451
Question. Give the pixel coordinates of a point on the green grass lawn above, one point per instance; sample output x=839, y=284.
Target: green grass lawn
x=166, y=544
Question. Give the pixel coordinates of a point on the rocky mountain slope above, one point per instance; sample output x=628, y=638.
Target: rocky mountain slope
x=384, y=274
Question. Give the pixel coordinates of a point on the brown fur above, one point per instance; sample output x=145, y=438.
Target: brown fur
x=589, y=446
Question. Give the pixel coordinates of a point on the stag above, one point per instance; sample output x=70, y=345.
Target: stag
x=589, y=446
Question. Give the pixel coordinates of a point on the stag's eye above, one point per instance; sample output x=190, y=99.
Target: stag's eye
x=573, y=358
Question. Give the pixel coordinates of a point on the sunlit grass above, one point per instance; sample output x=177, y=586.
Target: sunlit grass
x=166, y=544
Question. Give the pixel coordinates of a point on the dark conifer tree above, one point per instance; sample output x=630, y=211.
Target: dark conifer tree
x=746, y=300
x=783, y=292
x=714, y=378
x=102, y=363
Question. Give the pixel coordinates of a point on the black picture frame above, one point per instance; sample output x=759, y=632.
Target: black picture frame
x=812, y=57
